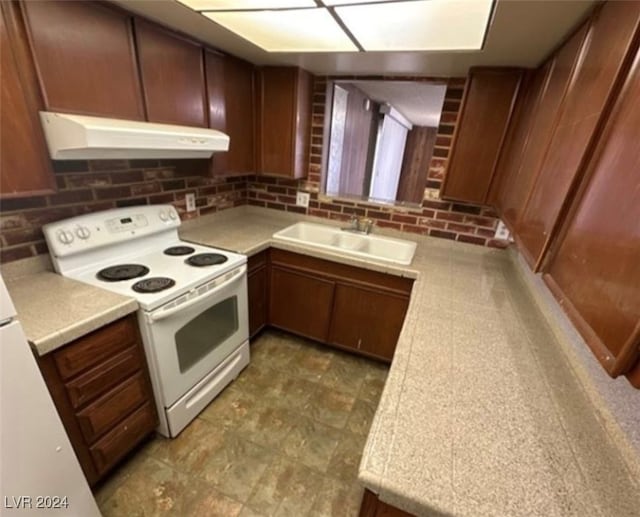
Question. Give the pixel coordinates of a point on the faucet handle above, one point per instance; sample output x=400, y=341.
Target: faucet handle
x=366, y=224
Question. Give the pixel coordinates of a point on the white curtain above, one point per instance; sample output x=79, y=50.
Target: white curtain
x=387, y=161
x=338, y=118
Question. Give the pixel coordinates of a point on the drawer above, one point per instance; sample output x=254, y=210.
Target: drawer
x=124, y=437
x=112, y=407
x=95, y=347
x=98, y=380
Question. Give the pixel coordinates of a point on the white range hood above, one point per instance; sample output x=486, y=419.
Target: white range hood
x=76, y=137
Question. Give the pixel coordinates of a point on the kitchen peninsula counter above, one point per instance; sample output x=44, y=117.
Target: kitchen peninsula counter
x=482, y=412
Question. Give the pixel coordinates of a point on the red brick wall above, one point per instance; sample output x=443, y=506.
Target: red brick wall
x=465, y=223
x=100, y=185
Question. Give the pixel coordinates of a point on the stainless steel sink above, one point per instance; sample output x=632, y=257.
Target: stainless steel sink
x=374, y=247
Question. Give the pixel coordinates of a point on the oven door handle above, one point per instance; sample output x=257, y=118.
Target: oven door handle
x=235, y=275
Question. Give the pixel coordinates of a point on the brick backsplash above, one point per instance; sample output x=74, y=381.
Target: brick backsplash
x=437, y=218
x=91, y=186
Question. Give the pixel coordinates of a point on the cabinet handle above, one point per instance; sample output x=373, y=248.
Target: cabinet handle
x=359, y=343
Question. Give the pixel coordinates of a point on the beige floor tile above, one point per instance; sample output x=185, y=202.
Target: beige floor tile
x=229, y=408
x=236, y=467
x=345, y=460
x=330, y=406
x=361, y=417
x=290, y=393
x=205, y=501
x=336, y=498
x=312, y=443
x=285, y=488
x=346, y=373
x=191, y=450
x=267, y=425
x=311, y=362
x=250, y=512
x=371, y=390
x=152, y=489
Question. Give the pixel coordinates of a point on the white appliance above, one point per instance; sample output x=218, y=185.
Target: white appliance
x=194, y=322
x=77, y=137
x=39, y=472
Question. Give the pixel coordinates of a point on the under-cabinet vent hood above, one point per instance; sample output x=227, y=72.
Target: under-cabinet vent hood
x=76, y=137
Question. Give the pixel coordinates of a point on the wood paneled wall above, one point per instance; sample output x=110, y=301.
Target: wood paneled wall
x=415, y=164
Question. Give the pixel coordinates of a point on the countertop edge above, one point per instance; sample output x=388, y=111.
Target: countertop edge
x=47, y=344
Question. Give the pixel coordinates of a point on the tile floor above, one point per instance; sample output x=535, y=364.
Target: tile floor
x=284, y=439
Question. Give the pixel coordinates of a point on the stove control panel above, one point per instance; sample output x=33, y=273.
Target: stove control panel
x=109, y=228
x=126, y=224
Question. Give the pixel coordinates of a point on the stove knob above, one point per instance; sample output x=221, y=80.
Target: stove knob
x=83, y=232
x=65, y=237
x=163, y=215
x=172, y=215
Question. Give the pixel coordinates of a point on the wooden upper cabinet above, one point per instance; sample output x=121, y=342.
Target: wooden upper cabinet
x=521, y=163
x=25, y=168
x=85, y=58
x=172, y=76
x=486, y=110
x=231, y=110
x=594, y=270
x=604, y=56
x=284, y=121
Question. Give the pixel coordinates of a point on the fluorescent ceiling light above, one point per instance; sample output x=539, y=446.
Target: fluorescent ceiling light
x=299, y=30
x=419, y=25
x=238, y=5
x=343, y=2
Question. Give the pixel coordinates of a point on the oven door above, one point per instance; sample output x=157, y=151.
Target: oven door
x=193, y=334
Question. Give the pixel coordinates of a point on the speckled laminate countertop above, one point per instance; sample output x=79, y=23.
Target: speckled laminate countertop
x=482, y=413
x=55, y=310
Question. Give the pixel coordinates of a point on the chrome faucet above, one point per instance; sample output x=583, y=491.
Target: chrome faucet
x=359, y=225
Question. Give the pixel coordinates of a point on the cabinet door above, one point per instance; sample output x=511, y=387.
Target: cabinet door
x=594, y=82
x=230, y=94
x=548, y=89
x=367, y=320
x=486, y=111
x=25, y=168
x=284, y=118
x=172, y=76
x=257, y=282
x=300, y=303
x=85, y=58
x=595, y=270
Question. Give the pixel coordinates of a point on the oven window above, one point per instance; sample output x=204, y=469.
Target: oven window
x=206, y=332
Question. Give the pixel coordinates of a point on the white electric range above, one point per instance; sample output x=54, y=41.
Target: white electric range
x=193, y=312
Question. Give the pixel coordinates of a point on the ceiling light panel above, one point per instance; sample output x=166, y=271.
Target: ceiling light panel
x=419, y=25
x=331, y=3
x=298, y=30
x=243, y=5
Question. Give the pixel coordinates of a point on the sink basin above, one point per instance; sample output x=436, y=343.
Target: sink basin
x=375, y=247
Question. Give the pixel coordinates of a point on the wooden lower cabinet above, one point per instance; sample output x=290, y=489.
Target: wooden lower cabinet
x=367, y=320
x=300, y=302
x=258, y=285
x=101, y=388
x=372, y=507
x=344, y=306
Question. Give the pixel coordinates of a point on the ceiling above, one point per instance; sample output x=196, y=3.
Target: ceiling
x=420, y=103
x=522, y=33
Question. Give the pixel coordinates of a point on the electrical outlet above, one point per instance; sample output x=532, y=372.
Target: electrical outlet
x=191, y=202
x=502, y=232
x=302, y=199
